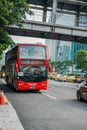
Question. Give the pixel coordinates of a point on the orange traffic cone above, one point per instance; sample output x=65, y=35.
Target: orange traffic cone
x=2, y=101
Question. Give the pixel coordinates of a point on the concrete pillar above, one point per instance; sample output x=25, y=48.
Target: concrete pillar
x=44, y=12
x=54, y=8
x=77, y=18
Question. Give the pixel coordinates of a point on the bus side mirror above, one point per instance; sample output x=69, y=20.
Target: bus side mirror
x=16, y=67
x=50, y=68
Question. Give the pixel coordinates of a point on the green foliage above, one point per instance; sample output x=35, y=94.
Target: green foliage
x=5, y=41
x=81, y=60
x=11, y=12
x=60, y=66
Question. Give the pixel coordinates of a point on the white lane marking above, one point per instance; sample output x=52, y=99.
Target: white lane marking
x=49, y=95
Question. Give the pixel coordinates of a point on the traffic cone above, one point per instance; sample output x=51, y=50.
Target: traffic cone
x=2, y=101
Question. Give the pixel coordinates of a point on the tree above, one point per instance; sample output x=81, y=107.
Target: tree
x=60, y=66
x=81, y=60
x=66, y=64
x=5, y=41
x=11, y=12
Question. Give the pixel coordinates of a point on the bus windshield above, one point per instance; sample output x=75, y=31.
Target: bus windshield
x=32, y=73
x=36, y=52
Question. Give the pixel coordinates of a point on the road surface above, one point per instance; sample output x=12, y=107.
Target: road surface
x=54, y=109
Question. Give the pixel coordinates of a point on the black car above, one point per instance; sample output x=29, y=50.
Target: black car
x=82, y=91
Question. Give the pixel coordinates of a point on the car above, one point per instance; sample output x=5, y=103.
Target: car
x=63, y=78
x=49, y=74
x=52, y=75
x=57, y=76
x=81, y=91
x=2, y=71
x=78, y=78
x=71, y=78
x=75, y=78
x=2, y=74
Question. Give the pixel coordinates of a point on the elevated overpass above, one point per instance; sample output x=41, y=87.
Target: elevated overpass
x=68, y=6
x=53, y=30
x=50, y=31
x=71, y=5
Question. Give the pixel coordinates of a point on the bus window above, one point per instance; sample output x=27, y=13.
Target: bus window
x=32, y=52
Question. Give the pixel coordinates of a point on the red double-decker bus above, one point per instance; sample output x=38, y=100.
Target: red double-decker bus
x=27, y=67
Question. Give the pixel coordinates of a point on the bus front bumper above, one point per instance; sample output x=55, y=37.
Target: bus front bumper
x=20, y=85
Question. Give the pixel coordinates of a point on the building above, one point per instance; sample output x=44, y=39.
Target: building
x=62, y=50
x=78, y=46
x=74, y=48
x=52, y=48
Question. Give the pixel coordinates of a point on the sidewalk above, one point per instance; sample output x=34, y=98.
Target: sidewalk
x=8, y=117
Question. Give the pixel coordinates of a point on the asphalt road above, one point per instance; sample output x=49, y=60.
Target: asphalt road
x=54, y=109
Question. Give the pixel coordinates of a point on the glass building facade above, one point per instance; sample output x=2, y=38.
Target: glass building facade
x=74, y=48
x=78, y=46
x=64, y=50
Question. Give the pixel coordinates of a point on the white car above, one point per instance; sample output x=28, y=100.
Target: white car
x=82, y=91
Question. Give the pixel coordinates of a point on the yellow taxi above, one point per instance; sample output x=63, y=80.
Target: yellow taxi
x=50, y=75
x=78, y=78
x=63, y=78
x=74, y=78
x=57, y=76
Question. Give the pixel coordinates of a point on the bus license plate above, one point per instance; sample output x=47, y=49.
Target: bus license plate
x=32, y=86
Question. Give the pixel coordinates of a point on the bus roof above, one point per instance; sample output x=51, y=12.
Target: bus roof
x=30, y=44
x=26, y=44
